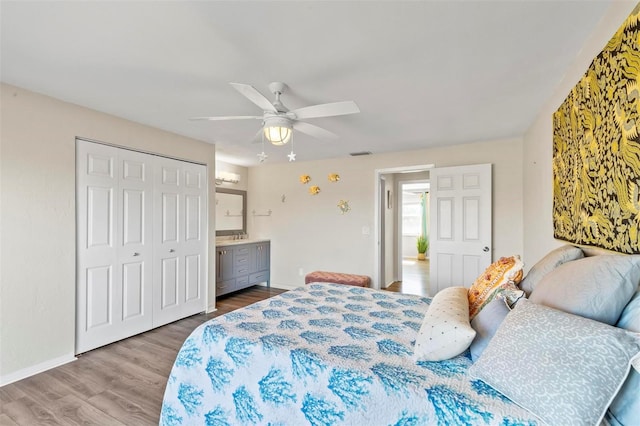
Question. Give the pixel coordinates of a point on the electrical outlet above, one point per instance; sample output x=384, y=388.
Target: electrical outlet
x=300, y=272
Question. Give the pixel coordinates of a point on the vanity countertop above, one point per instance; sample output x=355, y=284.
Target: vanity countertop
x=223, y=243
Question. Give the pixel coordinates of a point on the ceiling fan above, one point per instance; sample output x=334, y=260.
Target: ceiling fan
x=278, y=122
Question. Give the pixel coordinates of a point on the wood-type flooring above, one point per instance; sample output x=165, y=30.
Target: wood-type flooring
x=119, y=384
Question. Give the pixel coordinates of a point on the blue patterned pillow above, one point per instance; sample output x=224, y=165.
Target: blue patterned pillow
x=563, y=368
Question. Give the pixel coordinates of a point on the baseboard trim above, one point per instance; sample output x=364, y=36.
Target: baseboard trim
x=35, y=369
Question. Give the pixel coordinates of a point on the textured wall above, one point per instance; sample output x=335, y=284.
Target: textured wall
x=308, y=232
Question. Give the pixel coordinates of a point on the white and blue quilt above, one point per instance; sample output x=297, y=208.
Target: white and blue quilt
x=325, y=354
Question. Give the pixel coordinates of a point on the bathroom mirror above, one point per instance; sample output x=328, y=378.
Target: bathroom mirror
x=231, y=211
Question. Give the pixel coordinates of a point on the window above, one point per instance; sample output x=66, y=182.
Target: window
x=412, y=214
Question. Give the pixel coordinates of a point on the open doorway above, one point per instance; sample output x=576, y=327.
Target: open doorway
x=398, y=224
x=414, y=237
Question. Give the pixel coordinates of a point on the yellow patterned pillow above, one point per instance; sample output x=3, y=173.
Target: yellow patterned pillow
x=499, y=274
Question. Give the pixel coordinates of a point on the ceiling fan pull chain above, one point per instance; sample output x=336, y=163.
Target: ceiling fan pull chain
x=292, y=155
x=262, y=156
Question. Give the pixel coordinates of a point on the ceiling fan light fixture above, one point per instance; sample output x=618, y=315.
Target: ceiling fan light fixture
x=278, y=130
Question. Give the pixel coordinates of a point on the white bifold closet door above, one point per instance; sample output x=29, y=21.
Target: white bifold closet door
x=179, y=248
x=141, y=250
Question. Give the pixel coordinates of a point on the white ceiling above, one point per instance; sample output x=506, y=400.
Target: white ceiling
x=424, y=73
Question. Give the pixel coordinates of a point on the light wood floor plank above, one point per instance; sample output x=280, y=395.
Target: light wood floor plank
x=74, y=411
x=44, y=387
x=9, y=394
x=27, y=411
x=122, y=409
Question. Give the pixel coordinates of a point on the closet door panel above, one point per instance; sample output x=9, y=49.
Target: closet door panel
x=133, y=290
x=100, y=224
x=182, y=234
x=192, y=217
x=194, y=247
x=114, y=250
x=167, y=251
x=133, y=217
x=169, y=282
x=97, y=290
x=170, y=214
x=192, y=278
x=135, y=240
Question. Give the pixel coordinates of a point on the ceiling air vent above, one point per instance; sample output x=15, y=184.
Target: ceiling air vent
x=357, y=154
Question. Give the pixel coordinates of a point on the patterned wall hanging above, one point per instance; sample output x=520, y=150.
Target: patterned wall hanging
x=596, y=150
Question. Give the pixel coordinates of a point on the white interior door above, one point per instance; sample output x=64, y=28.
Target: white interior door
x=460, y=225
x=135, y=242
x=180, y=235
x=114, y=192
x=194, y=247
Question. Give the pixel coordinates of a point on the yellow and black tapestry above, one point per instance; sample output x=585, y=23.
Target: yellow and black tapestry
x=596, y=149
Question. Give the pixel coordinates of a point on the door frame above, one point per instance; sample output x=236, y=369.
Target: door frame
x=380, y=201
x=382, y=271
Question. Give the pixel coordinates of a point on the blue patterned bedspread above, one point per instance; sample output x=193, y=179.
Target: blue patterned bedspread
x=325, y=354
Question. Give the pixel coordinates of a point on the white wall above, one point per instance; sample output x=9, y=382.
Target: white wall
x=38, y=238
x=309, y=233
x=409, y=246
x=538, y=148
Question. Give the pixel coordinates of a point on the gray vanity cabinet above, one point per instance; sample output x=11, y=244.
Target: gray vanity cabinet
x=260, y=261
x=241, y=265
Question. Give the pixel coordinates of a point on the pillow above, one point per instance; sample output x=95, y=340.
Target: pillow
x=625, y=408
x=485, y=324
x=563, y=368
x=510, y=294
x=500, y=272
x=630, y=317
x=445, y=330
x=551, y=261
x=595, y=287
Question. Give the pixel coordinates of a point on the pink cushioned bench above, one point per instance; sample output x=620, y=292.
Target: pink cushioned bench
x=338, y=278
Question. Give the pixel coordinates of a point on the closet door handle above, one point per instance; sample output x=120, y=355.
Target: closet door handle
x=136, y=254
x=171, y=250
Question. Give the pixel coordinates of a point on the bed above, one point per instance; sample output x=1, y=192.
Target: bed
x=327, y=354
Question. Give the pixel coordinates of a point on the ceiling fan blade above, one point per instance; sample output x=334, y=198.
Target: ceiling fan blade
x=315, y=131
x=327, y=110
x=230, y=117
x=254, y=96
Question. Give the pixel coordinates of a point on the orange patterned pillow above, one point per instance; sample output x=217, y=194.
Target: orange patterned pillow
x=498, y=275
